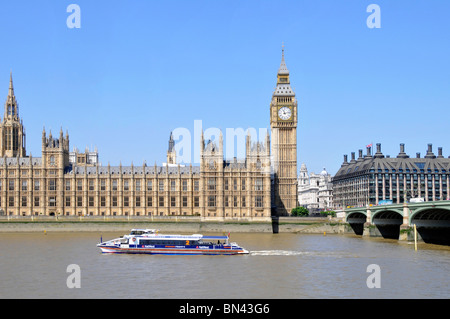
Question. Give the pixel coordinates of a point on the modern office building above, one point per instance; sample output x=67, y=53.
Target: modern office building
x=375, y=179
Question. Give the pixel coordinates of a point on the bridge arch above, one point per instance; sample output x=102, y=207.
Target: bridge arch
x=356, y=216
x=388, y=222
x=356, y=221
x=433, y=224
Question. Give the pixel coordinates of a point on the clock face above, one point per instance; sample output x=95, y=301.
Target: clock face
x=284, y=113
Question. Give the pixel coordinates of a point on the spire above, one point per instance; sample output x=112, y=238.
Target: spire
x=171, y=143
x=283, y=68
x=11, y=86
x=11, y=106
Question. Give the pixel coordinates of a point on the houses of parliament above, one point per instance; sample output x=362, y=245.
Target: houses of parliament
x=73, y=183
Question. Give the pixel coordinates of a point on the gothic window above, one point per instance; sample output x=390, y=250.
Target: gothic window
x=52, y=185
x=52, y=161
x=8, y=139
x=52, y=201
x=24, y=201
x=258, y=184
x=259, y=201
x=211, y=184
x=211, y=201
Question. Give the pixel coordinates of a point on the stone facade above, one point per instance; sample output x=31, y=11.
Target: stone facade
x=67, y=183
x=315, y=191
x=283, y=122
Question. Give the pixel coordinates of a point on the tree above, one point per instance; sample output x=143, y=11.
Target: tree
x=299, y=211
x=328, y=213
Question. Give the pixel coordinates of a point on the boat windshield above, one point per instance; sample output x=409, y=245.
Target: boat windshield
x=141, y=231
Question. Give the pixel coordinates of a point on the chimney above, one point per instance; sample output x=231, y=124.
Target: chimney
x=440, y=152
x=430, y=152
x=353, y=158
x=402, y=153
x=368, y=148
x=417, y=155
x=378, y=154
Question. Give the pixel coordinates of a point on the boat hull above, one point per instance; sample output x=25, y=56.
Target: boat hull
x=172, y=251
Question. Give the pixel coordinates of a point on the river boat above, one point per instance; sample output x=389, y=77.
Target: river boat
x=150, y=241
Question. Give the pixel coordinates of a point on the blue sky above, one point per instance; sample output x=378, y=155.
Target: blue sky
x=137, y=70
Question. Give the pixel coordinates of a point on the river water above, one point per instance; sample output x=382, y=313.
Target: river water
x=35, y=265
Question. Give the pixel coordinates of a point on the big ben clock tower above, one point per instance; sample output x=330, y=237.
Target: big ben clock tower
x=283, y=123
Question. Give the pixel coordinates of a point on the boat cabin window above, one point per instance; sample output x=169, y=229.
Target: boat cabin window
x=141, y=232
x=170, y=242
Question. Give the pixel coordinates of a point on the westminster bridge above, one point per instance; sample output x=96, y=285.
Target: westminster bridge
x=396, y=221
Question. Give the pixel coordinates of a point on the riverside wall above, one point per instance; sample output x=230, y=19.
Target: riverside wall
x=286, y=225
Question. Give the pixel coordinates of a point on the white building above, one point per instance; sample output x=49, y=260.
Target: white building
x=314, y=190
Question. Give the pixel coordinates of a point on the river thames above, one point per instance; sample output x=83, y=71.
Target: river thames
x=281, y=266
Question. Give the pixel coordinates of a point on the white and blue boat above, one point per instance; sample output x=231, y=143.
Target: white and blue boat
x=150, y=241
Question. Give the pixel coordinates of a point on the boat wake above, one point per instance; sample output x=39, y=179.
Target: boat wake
x=278, y=253
x=335, y=254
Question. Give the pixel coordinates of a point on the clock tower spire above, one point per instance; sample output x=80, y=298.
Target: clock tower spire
x=283, y=123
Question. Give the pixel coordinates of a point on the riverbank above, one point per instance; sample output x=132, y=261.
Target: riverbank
x=286, y=225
